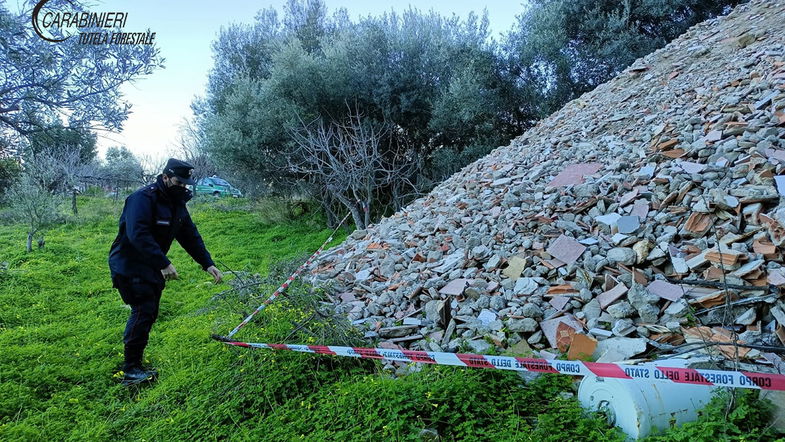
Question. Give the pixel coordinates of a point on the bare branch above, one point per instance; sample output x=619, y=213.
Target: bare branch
x=348, y=161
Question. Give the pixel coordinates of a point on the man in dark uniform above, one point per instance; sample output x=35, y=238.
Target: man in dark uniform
x=152, y=218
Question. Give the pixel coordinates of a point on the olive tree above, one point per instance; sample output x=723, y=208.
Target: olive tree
x=408, y=72
x=36, y=195
x=559, y=49
x=34, y=206
x=122, y=169
x=48, y=84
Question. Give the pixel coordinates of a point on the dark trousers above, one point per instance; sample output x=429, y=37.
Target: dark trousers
x=144, y=299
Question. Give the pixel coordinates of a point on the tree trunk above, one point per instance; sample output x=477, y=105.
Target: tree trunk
x=30, y=241
x=73, y=202
x=367, y=212
x=396, y=197
x=357, y=215
x=332, y=218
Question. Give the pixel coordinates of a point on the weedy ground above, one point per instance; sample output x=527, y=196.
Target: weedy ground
x=60, y=352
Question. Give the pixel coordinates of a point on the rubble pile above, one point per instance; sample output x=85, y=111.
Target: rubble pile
x=643, y=215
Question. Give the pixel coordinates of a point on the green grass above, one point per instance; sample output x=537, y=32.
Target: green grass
x=61, y=329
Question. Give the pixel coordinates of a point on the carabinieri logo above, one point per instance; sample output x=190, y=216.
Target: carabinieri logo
x=57, y=24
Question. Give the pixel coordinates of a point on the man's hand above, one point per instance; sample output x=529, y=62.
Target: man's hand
x=169, y=273
x=217, y=275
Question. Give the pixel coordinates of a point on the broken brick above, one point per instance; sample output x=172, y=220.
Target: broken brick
x=573, y=174
x=566, y=249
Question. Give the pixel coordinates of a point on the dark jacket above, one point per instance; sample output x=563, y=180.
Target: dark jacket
x=149, y=223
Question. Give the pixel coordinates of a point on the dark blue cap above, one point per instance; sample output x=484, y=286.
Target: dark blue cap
x=179, y=168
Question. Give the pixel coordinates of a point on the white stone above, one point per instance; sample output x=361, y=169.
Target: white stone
x=486, y=317
x=362, y=275
x=525, y=286
x=618, y=238
x=619, y=349
x=609, y=219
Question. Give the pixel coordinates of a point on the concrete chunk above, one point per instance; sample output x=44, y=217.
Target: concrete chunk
x=619, y=349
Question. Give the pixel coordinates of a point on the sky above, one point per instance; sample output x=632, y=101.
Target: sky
x=184, y=32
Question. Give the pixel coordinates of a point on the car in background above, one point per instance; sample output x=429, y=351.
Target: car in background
x=216, y=187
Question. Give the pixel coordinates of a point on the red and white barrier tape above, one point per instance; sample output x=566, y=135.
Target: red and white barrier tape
x=289, y=280
x=648, y=372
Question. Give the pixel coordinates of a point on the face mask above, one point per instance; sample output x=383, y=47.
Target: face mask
x=177, y=193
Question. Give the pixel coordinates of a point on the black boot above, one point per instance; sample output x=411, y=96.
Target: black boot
x=151, y=371
x=137, y=375
x=133, y=372
x=133, y=357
